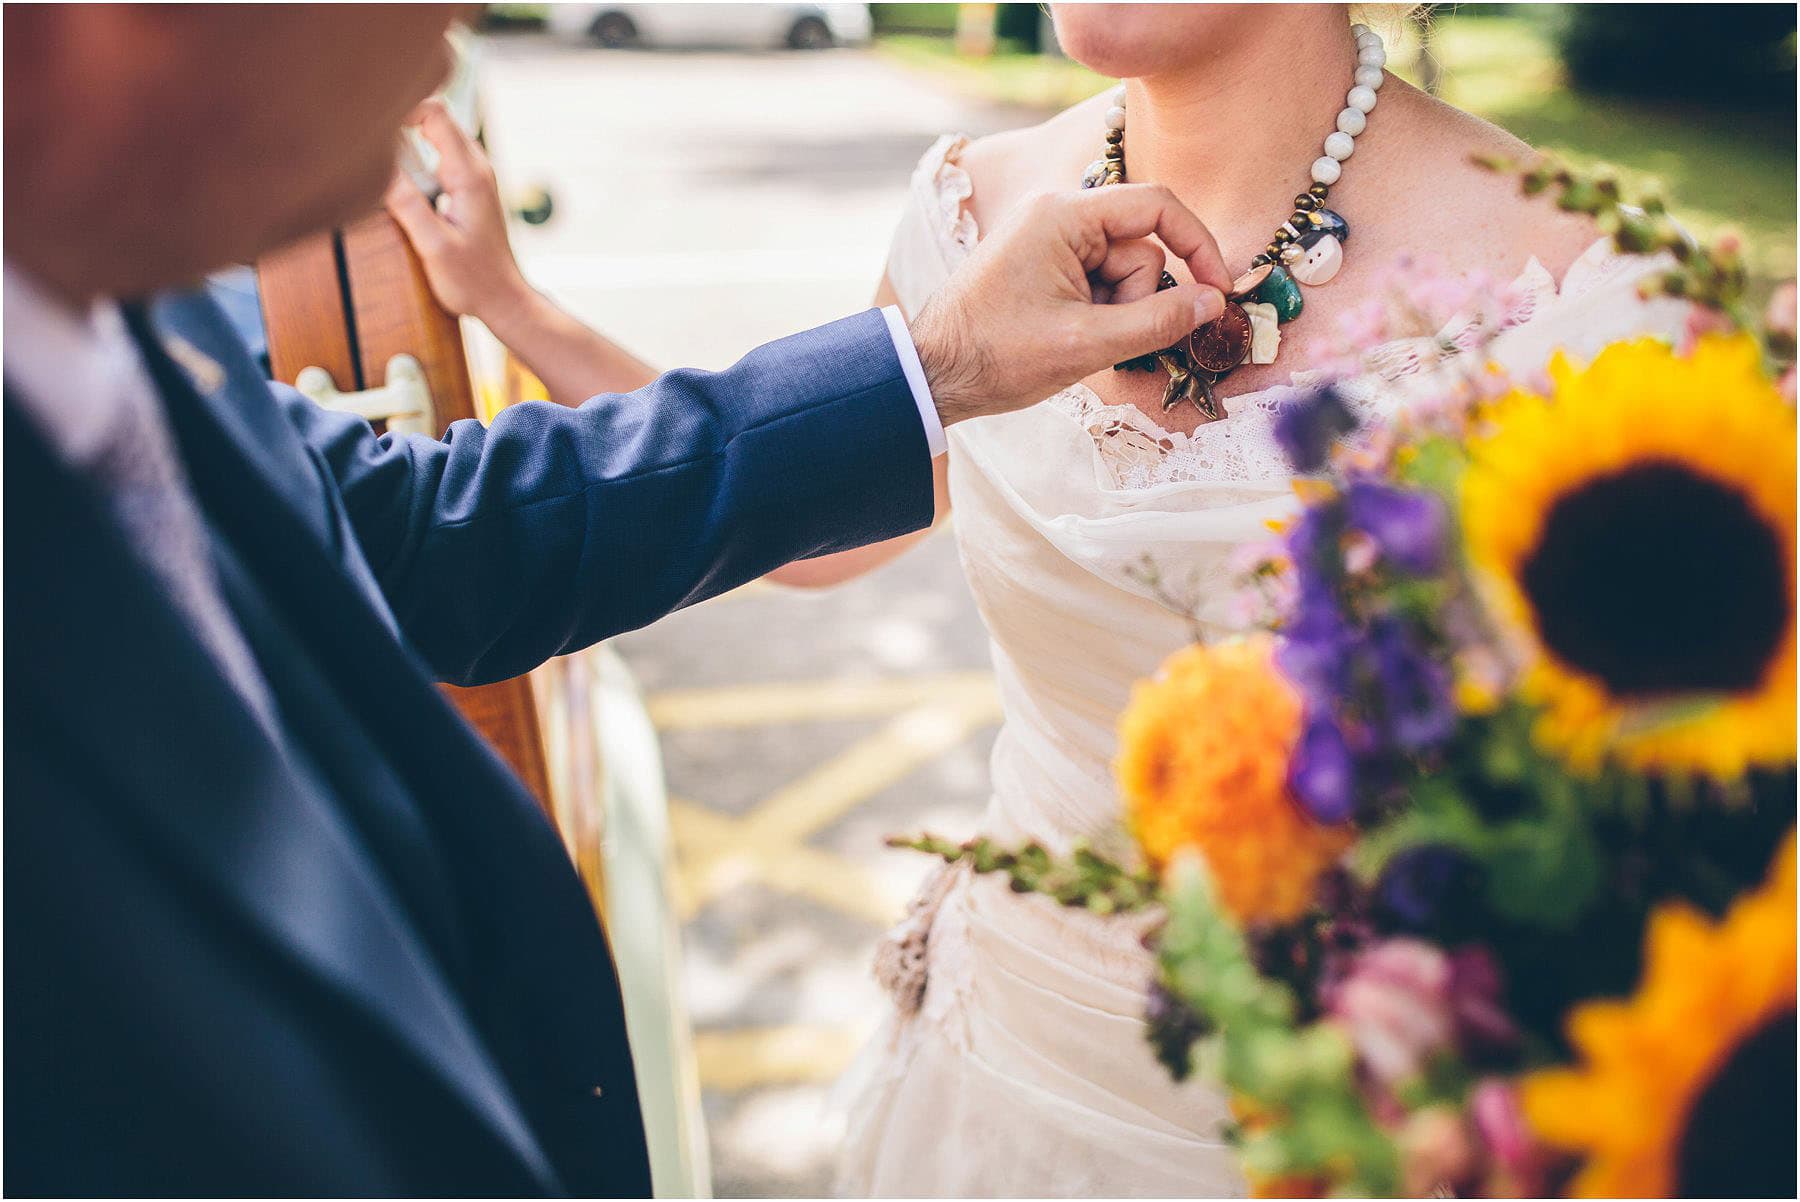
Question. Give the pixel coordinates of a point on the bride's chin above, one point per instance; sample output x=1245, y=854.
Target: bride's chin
x=1130, y=40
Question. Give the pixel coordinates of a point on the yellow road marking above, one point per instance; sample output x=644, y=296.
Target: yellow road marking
x=767, y=844
x=762, y=1056
x=866, y=767
x=713, y=855
x=716, y=853
x=809, y=700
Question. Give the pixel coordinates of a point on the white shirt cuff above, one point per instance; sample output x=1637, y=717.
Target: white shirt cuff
x=915, y=379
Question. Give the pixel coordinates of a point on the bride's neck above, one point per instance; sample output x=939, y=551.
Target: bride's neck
x=1236, y=129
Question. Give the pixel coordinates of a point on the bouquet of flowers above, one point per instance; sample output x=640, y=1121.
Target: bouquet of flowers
x=1476, y=868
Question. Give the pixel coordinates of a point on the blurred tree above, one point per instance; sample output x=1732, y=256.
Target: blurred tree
x=1737, y=53
x=1020, y=25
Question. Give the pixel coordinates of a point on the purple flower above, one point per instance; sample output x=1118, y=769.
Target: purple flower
x=1313, y=544
x=1174, y=1029
x=1415, y=688
x=1308, y=423
x=1322, y=772
x=1429, y=890
x=1317, y=646
x=1316, y=650
x=1407, y=525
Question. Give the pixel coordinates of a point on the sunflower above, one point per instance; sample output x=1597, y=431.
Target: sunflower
x=1203, y=765
x=1688, y=1087
x=1636, y=528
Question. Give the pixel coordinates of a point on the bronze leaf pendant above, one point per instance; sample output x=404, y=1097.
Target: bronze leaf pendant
x=1198, y=363
x=1187, y=383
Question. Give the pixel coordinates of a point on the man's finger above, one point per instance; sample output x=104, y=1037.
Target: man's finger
x=1123, y=211
x=420, y=222
x=1131, y=270
x=460, y=163
x=1125, y=331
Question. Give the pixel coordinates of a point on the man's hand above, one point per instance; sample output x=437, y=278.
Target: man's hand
x=462, y=243
x=1064, y=289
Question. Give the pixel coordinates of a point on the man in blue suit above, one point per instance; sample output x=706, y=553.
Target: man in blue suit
x=276, y=921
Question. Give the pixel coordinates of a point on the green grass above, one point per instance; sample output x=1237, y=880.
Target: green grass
x=913, y=18
x=1036, y=82
x=1717, y=169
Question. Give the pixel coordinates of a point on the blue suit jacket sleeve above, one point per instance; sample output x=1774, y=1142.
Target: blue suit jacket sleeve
x=500, y=546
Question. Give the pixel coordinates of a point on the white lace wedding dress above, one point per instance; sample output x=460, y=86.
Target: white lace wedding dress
x=1016, y=1062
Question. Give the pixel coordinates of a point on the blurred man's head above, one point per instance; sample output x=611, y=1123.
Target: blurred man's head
x=148, y=144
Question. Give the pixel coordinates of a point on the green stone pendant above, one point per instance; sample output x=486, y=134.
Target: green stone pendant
x=1281, y=291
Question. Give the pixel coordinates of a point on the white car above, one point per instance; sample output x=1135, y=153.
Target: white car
x=748, y=26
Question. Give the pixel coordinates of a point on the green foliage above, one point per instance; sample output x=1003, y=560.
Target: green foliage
x=1542, y=864
x=1715, y=276
x=1302, y=1076
x=513, y=16
x=1021, y=26
x=1084, y=879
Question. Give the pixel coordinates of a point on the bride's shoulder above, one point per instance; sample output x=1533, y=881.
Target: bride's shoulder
x=1005, y=168
x=1477, y=217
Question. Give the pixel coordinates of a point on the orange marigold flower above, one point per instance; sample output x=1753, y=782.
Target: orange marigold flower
x=1203, y=765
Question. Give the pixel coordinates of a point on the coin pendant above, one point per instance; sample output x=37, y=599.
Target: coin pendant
x=1221, y=344
x=1250, y=281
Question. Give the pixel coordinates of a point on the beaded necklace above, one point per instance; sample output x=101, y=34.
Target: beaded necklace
x=1307, y=249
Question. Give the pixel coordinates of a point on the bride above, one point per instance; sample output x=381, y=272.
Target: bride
x=1016, y=1061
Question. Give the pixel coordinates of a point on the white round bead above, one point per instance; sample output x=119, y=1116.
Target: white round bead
x=1118, y=96
x=1368, y=39
x=1326, y=171
x=1358, y=29
x=1339, y=145
x=1115, y=117
x=1352, y=121
x=1361, y=97
x=1372, y=56
x=1370, y=77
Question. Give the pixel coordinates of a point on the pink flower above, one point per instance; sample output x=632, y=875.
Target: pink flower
x=1357, y=330
x=1518, y=1161
x=1266, y=591
x=1395, y=1005
x=1701, y=322
x=1360, y=553
x=1780, y=317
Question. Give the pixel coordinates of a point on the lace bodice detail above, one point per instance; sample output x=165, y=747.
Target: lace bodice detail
x=1136, y=452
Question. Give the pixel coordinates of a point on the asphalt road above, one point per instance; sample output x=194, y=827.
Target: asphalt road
x=706, y=203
